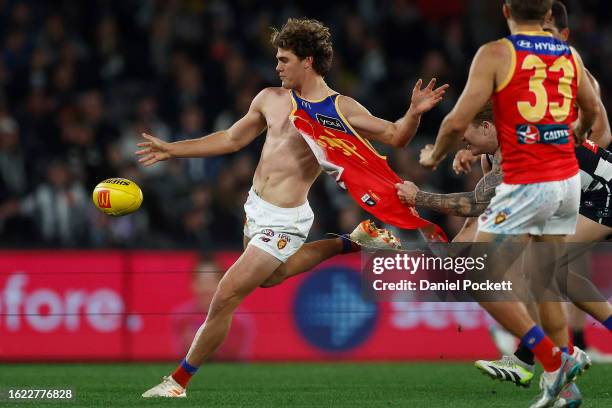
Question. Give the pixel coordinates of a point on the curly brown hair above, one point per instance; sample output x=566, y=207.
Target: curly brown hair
x=306, y=38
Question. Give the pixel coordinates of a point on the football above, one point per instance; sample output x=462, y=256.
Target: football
x=117, y=196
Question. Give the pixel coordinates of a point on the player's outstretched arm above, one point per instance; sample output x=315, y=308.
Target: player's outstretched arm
x=588, y=102
x=600, y=131
x=468, y=204
x=397, y=133
x=227, y=141
x=476, y=94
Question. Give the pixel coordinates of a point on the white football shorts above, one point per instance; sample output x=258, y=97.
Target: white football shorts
x=549, y=208
x=278, y=231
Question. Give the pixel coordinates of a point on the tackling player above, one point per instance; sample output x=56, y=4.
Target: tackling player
x=534, y=81
x=278, y=214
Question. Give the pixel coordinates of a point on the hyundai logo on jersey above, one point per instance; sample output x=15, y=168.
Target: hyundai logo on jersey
x=330, y=312
x=524, y=43
x=539, y=44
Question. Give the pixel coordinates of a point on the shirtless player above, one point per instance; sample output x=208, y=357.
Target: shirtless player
x=277, y=210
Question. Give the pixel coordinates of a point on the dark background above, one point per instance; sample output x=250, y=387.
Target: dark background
x=80, y=80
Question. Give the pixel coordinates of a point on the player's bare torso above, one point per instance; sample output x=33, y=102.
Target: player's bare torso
x=287, y=167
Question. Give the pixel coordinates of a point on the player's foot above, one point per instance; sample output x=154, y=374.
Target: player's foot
x=368, y=235
x=598, y=356
x=582, y=358
x=552, y=383
x=570, y=397
x=509, y=368
x=167, y=388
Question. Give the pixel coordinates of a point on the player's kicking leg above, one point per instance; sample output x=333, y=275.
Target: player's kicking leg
x=311, y=254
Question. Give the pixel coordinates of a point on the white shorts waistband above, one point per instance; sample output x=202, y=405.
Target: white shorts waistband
x=261, y=203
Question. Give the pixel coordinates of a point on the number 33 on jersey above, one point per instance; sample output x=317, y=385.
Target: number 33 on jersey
x=534, y=109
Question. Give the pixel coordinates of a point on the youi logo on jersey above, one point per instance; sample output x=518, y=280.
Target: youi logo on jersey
x=329, y=122
x=548, y=134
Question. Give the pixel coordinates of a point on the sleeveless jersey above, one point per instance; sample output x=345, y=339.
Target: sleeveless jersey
x=534, y=109
x=355, y=164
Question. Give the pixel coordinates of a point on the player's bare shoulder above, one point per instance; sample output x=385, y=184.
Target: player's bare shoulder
x=272, y=100
x=496, y=58
x=496, y=53
x=275, y=94
x=276, y=106
x=349, y=106
x=268, y=96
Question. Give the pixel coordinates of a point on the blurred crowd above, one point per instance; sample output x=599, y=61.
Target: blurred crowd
x=80, y=81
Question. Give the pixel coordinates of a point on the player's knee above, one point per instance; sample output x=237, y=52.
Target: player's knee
x=224, y=301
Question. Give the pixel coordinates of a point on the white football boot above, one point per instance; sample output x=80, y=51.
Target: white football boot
x=553, y=383
x=570, y=397
x=508, y=368
x=582, y=358
x=167, y=388
x=368, y=235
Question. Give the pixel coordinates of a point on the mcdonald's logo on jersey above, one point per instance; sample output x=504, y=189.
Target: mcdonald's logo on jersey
x=104, y=199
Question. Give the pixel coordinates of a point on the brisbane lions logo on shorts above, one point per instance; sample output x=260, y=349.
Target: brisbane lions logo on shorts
x=283, y=239
x=528, y=134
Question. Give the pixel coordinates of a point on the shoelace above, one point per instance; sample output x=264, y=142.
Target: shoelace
x=168, y=381
x=507, y=361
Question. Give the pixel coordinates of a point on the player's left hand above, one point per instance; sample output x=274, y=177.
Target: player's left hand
x=426, y=158
x=579, y=134
x=406, y=192
x=579, y=140
x=462, y=163
x=425, y=99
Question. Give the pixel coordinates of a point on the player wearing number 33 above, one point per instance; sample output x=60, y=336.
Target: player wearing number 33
x=534, y=81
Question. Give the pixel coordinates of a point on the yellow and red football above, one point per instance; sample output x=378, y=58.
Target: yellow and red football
x=117, y=196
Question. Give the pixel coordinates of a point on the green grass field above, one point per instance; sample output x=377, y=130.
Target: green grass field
x=292, y=385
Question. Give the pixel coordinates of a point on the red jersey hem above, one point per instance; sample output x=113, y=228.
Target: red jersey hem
x=540, y=178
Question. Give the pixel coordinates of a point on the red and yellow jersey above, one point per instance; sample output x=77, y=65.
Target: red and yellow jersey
x=355, y=164
x=534, y=109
